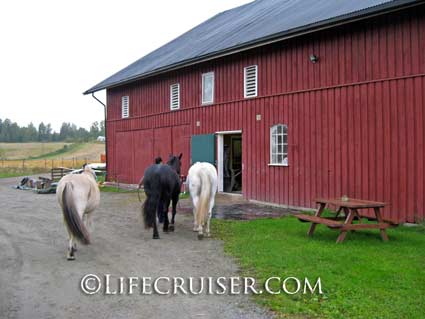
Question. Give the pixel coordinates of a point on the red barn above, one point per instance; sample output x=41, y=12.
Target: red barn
x=290, y=99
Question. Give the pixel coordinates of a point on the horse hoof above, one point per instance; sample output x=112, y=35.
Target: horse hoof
x=200, y=236
x=70, y=258
x=155, y=237
x=171, y=228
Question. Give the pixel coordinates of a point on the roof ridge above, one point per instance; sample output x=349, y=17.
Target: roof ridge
x=252, y=24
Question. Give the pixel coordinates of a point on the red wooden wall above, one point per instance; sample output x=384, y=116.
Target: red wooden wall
x=355, y=119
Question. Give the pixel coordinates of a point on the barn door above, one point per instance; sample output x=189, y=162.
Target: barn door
x=143, y=152
x=203, y=148
x=124, y=157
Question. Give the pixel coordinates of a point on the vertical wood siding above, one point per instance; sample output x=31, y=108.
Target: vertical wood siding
x=355, y=119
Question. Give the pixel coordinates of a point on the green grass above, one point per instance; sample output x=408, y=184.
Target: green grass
x=71, y=148
x=113, y=189
x=184, y=195
x=363, y=277
x=15, y=172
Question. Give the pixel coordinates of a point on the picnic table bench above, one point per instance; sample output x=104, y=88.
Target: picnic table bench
x=351, y=208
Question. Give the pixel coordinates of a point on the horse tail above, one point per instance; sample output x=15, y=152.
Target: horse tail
x=204, y=197
x=150, y=207
x=71, y=216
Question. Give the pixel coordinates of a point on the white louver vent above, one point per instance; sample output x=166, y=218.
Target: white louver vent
x=175, y=96
x=250, y=81
x=125, y=105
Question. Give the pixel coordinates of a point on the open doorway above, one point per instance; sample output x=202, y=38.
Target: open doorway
x=229, y=158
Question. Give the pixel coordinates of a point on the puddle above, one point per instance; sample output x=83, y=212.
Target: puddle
x=245, y=211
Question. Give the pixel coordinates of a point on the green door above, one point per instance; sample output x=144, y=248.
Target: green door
x=203, y=148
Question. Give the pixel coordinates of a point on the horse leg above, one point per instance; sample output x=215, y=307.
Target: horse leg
x=88, y=221
x=208, y=234
x=200, y=232
x=175, y=201
x=195, y=203
x=198, y=227
x=165, y=214
x=155, y=231
x=161, y=211
x=71, y=247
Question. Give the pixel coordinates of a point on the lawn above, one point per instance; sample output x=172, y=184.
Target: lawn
x=27, y=150
x=32, y=151
x=363, y=277
x=15, y=172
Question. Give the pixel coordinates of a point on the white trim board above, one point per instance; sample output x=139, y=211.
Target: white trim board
x=220, y=154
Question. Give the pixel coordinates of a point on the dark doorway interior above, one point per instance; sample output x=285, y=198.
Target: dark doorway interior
x=232, y=168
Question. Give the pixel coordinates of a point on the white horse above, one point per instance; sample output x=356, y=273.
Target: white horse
x=202, y=180
x=78, y=195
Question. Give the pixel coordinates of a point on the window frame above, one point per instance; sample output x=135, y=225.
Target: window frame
x=274, y=141
x=173, y=108
x=125, y=104
x=204, y=75
x=245, y=81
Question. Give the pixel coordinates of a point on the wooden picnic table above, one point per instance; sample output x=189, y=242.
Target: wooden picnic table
x=351, y=208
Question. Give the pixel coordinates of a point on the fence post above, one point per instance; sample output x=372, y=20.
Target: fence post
x=45, y=164
x=23, y=164
x=62, y=162
x=52, y=163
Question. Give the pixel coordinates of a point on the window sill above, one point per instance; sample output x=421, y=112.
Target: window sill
x=279, y=165
x=207, y=103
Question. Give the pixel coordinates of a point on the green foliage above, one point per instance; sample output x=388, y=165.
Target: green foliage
x=11, y=132
x=363, y=277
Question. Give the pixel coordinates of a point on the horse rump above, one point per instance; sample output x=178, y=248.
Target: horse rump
x=72, y=218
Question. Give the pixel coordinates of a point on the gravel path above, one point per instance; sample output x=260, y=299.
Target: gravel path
x=36, y=280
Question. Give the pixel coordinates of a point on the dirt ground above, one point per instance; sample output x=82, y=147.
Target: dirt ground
x=36, y=280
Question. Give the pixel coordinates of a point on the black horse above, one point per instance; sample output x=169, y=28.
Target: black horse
x=161, y=184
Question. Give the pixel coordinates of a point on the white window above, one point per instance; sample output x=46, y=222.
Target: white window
x=125, y=107
x=175, y=96
x=279, y=145
x=208, y=88
x=250, y=81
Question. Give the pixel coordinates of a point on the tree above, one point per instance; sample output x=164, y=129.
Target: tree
x=94, y=130
x=41, y=132
x=29, y=133
x=12, y=132
x=102, y=128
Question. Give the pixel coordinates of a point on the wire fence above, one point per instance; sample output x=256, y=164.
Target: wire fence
x=46, y=163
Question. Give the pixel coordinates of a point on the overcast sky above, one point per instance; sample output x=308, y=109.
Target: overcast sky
x=51, y=51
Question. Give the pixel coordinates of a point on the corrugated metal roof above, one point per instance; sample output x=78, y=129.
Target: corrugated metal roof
x=238, y=28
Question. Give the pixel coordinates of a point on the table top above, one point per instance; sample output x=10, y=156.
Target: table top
x=350, y=202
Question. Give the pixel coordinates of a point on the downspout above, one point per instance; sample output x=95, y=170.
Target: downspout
x=106, y=140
